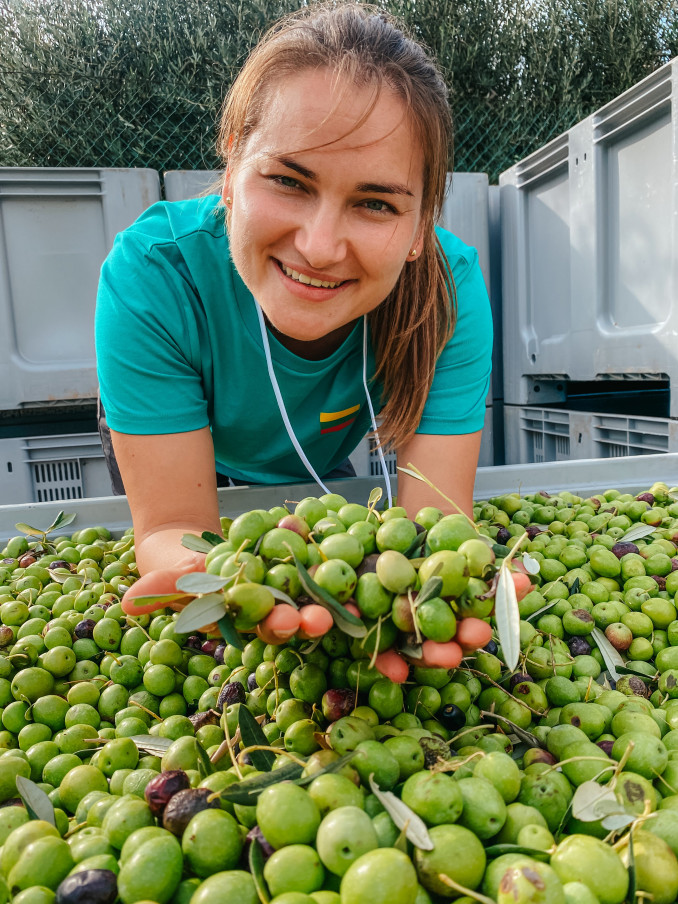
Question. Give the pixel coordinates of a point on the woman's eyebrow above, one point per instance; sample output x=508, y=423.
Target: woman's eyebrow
x=382, y=188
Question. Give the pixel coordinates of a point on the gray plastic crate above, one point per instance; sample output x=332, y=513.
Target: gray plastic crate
x=181, y=185
x=365, y=459
x=52, y=468
x=56, y=228
x=590, y=250
x=556, y=434
x=631, y=474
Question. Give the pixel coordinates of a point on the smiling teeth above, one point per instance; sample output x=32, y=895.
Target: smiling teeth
x=308, y=280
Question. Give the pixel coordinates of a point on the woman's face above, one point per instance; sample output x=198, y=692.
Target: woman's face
x=320, y=236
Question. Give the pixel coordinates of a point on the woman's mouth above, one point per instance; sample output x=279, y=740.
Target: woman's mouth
x=291, y=273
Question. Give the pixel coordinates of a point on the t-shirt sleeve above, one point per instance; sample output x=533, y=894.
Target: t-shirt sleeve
x=147, y=341
x=456, y=400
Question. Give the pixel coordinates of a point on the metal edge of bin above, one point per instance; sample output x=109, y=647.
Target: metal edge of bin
x=630, y=473
x=113, y=512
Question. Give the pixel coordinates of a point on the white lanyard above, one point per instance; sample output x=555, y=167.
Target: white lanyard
x=288, y=426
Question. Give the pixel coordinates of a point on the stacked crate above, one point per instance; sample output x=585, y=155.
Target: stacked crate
x=589, y=229
x=56, y=228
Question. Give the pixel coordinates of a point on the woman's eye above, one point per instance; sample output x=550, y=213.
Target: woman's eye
x=378, y=206
x=286, y=181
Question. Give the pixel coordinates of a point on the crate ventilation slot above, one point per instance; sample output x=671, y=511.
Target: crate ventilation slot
x=56, y=480
x=375, y=464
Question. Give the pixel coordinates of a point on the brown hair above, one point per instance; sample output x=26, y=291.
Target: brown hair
x=368, y=47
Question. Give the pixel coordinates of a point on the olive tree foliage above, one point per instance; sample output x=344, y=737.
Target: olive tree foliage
x=140, y=82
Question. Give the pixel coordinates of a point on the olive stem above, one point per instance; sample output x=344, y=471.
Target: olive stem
x=463, y=890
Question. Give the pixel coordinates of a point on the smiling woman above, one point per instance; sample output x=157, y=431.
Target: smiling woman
x=266, y=327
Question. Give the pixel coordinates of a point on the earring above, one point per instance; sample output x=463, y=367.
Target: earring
x=229, y=201
x=413, y=252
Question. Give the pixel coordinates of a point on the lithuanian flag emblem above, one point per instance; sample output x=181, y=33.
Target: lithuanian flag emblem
x=333, y=421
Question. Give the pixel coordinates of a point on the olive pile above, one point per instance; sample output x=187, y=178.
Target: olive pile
x=140, y=763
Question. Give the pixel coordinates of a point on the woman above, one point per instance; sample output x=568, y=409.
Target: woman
x=256, y=331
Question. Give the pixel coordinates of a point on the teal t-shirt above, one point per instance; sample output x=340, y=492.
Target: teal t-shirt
x=179, y=348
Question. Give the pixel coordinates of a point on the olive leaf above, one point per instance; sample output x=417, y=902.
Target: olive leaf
x=334, y=766
x=637, y=532
x=631, y=896
x=412, y=651
x=212, y=538
x=156, y=746
x=586, y=799
x=195, y=543
x=629, y=670
x=526, y=736
x=282, y=596
x=541, y=611
x=32, y=531
x=256, y=864
x=205, y=766
x=574, y=588
x=253, y=736
x=163, y=599
x=200, y=582
x=60, y=576
x=507, y=615
x=374, y=497
x=430, y=589
x=610, y=655
x=403, y=817
x=415, y=546
x=345, y=620
x=202, y=611
x=411, y=473
x=496, y=850
x=246, y=792
x=229, y=632
x=530, y=563
x=61, y=520
x=37, y=804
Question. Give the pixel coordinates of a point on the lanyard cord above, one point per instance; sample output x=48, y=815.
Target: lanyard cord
x=283, y=412
x=382, y=460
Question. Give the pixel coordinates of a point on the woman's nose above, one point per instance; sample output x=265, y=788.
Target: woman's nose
x=322, y=237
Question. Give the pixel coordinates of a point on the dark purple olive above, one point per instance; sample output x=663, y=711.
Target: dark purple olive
x=194, y=642
x=645, y=497
x=544, y=494
x=533, y=530
x=209, y=646
x=579, y=646
x=452, y=717
x=219, y=653
x=337, y=703
x=369, y=563
x=91, y=886
x=491, y=647
x=606, y=746
x=85, y=628
x=661, y=581
x=183, y=806
x=257, y=835
x=519, y=678
x=60, y=563
x=199, y=720
x=6, y=635
x=503, y=536
x=161, y=789
x=230, y=694
x=674, y=564
x=623, y=549
x=251, y=682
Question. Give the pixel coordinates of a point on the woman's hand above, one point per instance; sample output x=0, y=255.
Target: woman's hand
x=160, y=582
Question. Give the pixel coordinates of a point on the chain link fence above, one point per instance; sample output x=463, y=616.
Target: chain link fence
x=139, y=83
